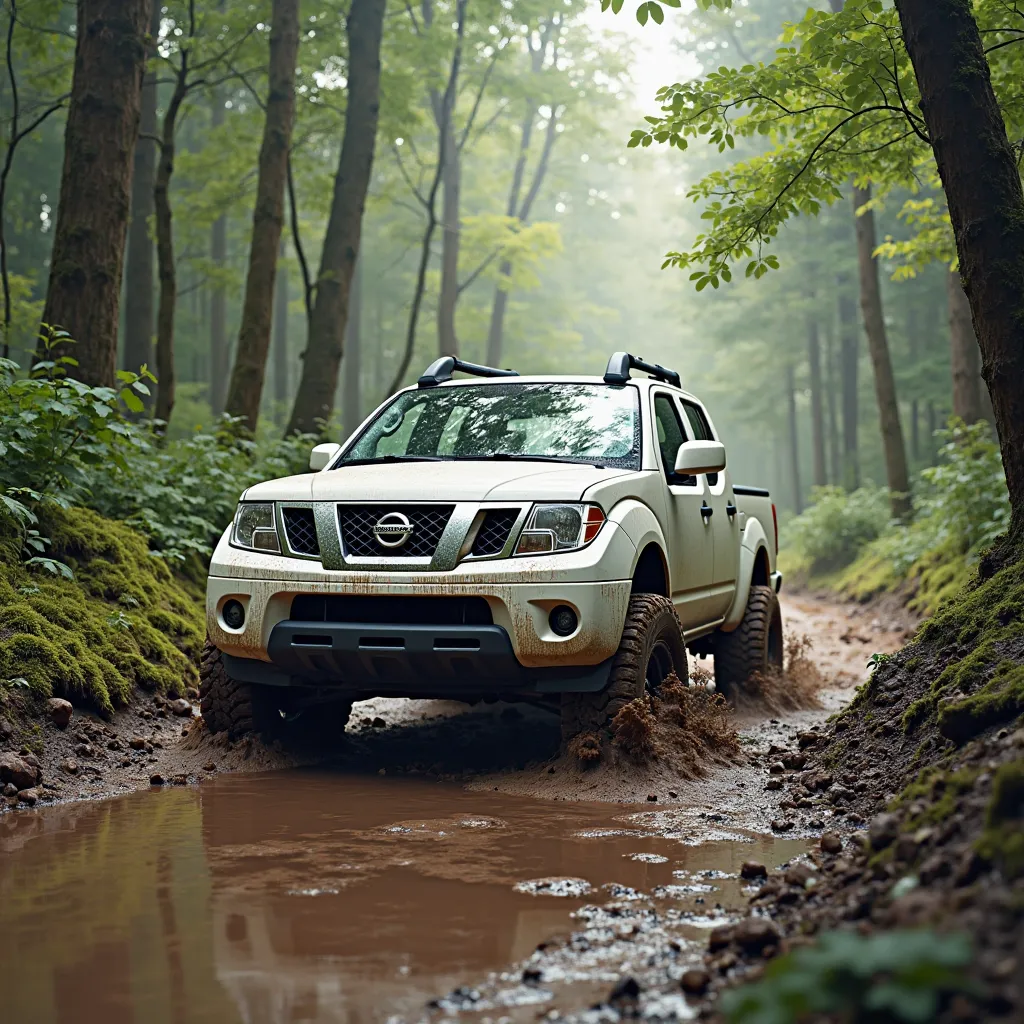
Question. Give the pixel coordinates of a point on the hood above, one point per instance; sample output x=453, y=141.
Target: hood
x=285, y=488
x=458, y=481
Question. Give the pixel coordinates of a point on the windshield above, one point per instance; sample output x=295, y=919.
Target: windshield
x=592, y=423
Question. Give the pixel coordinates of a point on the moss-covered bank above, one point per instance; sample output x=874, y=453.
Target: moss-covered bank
x=125, y=620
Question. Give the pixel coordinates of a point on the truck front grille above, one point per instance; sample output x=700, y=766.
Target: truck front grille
x=300, y=528
x=392, y=609
x=427, y=521
x=493, y=533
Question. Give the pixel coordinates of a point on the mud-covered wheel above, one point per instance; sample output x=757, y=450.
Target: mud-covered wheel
x=754, y=647
x=651, y=649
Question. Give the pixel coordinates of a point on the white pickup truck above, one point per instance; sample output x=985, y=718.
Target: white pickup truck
x=558, y=540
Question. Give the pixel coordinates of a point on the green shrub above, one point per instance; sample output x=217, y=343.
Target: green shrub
x=884, y=979
x=834, y=530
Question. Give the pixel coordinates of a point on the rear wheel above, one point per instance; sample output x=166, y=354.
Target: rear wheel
x=755, y=647
x=242, y=709
x=650, y=650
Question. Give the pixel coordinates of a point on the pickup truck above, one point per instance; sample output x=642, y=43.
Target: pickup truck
x=558, y=540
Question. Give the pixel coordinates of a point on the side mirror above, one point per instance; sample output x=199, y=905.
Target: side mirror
x=322, y=455
x=696, y=457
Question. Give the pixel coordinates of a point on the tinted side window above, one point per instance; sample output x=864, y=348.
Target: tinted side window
x=670, y=436
x=701, y=430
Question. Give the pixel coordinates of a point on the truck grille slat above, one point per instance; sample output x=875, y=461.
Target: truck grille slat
x=427, y=521
x=300, y=528
x=493, y=533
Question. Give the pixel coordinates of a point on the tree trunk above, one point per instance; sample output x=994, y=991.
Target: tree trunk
x=86, y=263
x=878, y=347
x=817, y=404
x=794, y=441
x=314, y=401
x=965, y=357
x=138, y=275
x=280, y=342
x=849, y=360
x=219, y=355
x=447, y=340
x=245, y=388
x=831, y=376
x=982, y=183
x=351, y=396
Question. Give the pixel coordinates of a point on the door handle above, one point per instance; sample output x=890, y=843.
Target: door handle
x=706, y=511
x=730, y=510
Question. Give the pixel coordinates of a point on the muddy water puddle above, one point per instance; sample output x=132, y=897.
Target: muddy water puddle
x=324, y=897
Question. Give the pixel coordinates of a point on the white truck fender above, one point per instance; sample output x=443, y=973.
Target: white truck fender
x=641, y=525
x=752, y=544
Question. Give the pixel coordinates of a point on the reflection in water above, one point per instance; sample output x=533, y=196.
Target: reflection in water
x=312, y=896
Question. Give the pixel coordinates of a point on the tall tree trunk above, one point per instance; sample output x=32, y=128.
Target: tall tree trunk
x=817, y=404
x=982, y=183
x=280, y=342
x=314, y=401
x=849, y=360
x=138, y=273
x=794, y=441
x=831, y=378
x=878, y=347
x=351, y=392
x=965, y=356
x=451, y=180
x=245, y=388
x=219, y=361
x=86, y=263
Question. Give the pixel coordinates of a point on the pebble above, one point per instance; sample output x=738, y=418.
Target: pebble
x=652, y=798
x=754, y=934
x=137, y=743
x=181, y=707
x=752, y=869
x=70, y=766
x=60, y=711
x=831, y=843
x=695, y=981
x=20, y=770
x=29, y=796
x=210, y=766
x=10, y=789
x=799, y=875
x=156, y=779
x=773, y=784
x=781, y=825
x=776, y=769
x=883, y=830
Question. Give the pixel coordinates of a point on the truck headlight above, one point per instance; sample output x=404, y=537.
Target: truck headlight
x=560, y=527
x=255, y=528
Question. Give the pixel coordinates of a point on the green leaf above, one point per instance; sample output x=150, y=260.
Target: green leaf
x=132, y=401
x=642, y=13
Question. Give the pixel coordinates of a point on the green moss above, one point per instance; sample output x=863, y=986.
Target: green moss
x=124, y=621
x=1002, y=842
x=941, y=790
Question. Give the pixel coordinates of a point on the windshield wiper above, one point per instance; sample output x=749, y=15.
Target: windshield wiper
x=391, y=458
x=506, y=457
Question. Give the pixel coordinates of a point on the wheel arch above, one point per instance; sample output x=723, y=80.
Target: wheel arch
x=754, y=570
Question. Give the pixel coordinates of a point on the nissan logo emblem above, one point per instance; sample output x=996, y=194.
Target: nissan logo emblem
x=392, y=530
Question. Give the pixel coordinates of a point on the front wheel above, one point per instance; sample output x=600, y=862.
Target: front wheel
x=651, y=649
x=755, y=647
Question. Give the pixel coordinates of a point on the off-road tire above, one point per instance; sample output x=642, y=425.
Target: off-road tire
x=241, y=709
x=651, y=634
x=755, y=647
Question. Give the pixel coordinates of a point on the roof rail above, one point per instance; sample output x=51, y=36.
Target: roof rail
x=622, y=362
x=442, y=369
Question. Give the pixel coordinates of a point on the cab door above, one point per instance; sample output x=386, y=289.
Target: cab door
x=690, y=537
x=724, y=521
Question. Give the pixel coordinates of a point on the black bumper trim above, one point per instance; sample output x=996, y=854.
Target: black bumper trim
x=406, y=660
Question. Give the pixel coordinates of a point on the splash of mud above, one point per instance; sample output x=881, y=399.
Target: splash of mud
x=796, y=688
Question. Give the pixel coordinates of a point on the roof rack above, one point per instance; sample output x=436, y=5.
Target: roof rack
x=442, y=369
x=622, y=362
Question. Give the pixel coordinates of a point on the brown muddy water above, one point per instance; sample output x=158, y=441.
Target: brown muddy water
x=317, y=896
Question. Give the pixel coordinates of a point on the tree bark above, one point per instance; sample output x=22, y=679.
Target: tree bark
x=831, y=378
x=965, y=357
x=351, y=392
x=982, y=183
x=314, y=401
x=451, y=181
x=849, y=360
x=219, y=355
x=245, y=388
x=139, y=265
x=878, y=348
x=794, y=441
x=87, y=260
x=280, y=342
x=817, y=404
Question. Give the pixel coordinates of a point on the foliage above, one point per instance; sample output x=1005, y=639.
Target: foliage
x=836, y=527
x=898, y=976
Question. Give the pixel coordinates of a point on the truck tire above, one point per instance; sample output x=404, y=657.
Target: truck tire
x=242, y=709
x=651, y=648
x=754, y=647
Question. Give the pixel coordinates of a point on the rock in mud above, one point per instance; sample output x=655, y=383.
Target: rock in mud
x=883, y=831
x=156, y=779
x=19, y=770
x=799, y=875
x=10, y=789
x=794, y=761
x=180, y=707
x=70, y=766
x=751, y=869
x=137, y=743
x=695, y=981
x=626, y=991
x=29, y=796
x=754, y=934
x=776, y=769
x=831, y=843
x=60, y=711
x=210, y=766
x=652, y=798
x=781, y=825
x=720, y=937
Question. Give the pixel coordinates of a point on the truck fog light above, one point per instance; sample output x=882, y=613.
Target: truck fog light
x=563, y=620
x=233, y=614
